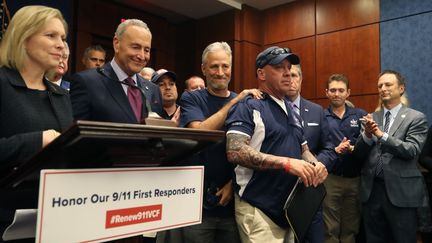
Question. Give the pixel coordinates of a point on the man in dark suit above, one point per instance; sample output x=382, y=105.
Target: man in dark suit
x=316, y=132
x=391, y=184
x=115, y=93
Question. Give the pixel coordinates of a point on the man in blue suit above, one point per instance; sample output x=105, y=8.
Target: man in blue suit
x=105, y=94
x=316, y=132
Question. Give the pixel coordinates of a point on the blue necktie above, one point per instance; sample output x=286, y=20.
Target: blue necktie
x=379, y=167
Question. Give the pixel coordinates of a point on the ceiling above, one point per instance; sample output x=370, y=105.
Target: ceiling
x=182, y=10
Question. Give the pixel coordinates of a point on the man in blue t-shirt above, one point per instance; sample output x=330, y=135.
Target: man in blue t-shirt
x=341, y=205
x=207, y=109
x=267, y=143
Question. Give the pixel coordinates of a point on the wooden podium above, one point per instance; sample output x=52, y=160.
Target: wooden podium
x=90, y=144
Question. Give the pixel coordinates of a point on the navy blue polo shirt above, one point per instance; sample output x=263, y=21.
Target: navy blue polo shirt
x=199, y=105
x=272, y=130
x=349, y=126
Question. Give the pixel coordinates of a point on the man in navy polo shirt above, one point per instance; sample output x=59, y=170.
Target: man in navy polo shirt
x=342, y=205
x=267, y=143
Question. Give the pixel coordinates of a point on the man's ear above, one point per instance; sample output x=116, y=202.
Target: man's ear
x=203, y=69
x=116, y=44
x=401, y=89
x=260, y=74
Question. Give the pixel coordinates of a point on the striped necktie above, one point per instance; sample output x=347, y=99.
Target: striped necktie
x=379, y=167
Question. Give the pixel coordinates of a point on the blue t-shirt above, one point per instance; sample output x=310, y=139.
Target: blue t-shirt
x=199, y=105
x=349, y=126
x=273, y=130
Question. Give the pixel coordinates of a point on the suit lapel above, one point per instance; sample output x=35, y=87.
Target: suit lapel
x=304, y=109
x=400, y=117
x=144, y=87
x=142, y=83
x=116, y=91
x=378, y=118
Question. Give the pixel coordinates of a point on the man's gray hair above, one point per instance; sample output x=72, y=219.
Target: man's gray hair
x=216, y=46
x=121, y=28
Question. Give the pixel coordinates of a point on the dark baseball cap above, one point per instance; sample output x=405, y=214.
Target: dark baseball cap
x=275, y=55
x=161, y=72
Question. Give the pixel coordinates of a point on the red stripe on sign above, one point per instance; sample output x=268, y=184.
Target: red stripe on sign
x=129, y=216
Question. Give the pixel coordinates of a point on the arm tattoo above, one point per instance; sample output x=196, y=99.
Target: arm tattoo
x=307, y=155
x=240, y=152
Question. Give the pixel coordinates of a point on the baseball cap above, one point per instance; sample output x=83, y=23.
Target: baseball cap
x=159, y=73
x=275, y=55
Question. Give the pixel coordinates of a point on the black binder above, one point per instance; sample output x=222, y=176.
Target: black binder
x=301, y=206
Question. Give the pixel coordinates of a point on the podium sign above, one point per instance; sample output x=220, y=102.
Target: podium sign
x=96, y=205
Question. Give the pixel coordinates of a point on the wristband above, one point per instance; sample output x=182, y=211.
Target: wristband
x=287, y=166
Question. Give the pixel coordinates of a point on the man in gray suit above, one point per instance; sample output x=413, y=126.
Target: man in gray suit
x=391, y=184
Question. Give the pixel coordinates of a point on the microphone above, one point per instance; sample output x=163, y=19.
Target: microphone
x=101, y=71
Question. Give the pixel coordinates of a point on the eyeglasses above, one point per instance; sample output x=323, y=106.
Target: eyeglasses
x=275, y=52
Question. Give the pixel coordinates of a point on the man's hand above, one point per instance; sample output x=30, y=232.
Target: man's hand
x=343, y=147
x=321, y=174
x=226, y=194
x=371, y=127
x=256, y=93
x=305, y=170
x=176, y=117
x=48, y=136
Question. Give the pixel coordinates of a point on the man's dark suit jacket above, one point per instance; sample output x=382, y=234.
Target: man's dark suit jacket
x=316, y=132
x=403, y=180
x=96, y=97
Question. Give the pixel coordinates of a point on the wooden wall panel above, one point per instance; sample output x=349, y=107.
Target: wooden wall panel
x=244, y=66
x=353, y=52
x=92, y=26
x=83, y=40
x=334, y=15
x=247, y=45
x=185, y=62
x=249, y=25
x=220, y=27
x=289, y=21
x=345, y=40
x=365, y=102
x=305, y=49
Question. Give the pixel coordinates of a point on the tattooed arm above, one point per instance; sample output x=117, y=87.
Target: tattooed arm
x=240, y=152
x=321, y=171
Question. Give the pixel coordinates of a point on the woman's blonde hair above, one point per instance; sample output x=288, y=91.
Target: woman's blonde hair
x=25, y=23
x=404, y=100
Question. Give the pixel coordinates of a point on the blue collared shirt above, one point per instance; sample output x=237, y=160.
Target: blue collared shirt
x=348, y=126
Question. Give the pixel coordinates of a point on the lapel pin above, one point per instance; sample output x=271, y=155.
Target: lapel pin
x=403, y=116
x=306, y=109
